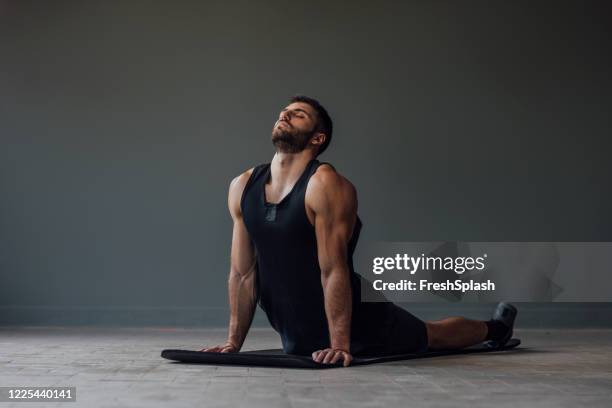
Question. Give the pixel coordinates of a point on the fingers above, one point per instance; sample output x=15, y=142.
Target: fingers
x=226, y=348
x=319, y=356
x=211, y=349
x=336, y=357
x=342, y=355
x=347, y=359
x=330, y=356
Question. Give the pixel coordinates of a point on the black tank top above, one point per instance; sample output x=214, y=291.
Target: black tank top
x=288, y=273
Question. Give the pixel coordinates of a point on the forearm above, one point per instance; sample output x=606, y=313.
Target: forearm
x=338, y=307
x=242, y=300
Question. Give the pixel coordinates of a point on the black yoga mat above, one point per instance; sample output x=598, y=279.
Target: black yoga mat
x=276, y=357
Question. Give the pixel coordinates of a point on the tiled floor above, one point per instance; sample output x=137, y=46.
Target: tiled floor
x=123, y=368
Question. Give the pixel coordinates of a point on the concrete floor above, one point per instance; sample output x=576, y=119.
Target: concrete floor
x=122, y=368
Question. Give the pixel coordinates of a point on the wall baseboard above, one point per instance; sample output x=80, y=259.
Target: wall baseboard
x=531, y=315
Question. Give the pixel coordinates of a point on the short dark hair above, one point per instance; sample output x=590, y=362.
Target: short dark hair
x=324, y=122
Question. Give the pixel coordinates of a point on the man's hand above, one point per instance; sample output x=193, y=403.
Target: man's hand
x=332, y=356
x=227, y=347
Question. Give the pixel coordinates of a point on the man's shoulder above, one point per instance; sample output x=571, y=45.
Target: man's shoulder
x=326, y=177
x=242, y=178
x=236, y=190
x=327, y=186
x=238, y=184
x=240, y=181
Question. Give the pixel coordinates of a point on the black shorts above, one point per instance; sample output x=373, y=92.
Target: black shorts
x=383, y=328
x=408, y=333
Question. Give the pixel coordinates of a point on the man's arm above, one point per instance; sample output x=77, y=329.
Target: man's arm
x=241, y=283
x=333, y=200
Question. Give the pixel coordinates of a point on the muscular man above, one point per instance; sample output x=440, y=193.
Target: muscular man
x=295, y=227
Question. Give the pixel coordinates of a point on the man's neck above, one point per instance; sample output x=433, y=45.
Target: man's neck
x=287, y=167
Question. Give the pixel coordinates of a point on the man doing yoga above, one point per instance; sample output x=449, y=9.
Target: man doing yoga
x=295, y=227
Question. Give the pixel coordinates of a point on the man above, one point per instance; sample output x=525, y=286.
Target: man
x=295, y=227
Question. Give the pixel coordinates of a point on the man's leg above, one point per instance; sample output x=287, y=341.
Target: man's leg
x=455, y=332
x=459, y=332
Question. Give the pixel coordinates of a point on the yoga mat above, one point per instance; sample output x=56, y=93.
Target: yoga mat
x=276, y=357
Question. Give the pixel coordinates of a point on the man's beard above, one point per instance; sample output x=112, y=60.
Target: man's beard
x=287, y=142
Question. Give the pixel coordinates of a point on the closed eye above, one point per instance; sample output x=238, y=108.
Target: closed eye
x=300, y=113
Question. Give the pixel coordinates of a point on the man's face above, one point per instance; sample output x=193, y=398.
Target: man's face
x=294, y=128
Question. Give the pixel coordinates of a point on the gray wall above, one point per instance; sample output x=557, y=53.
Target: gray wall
x=122, y=124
